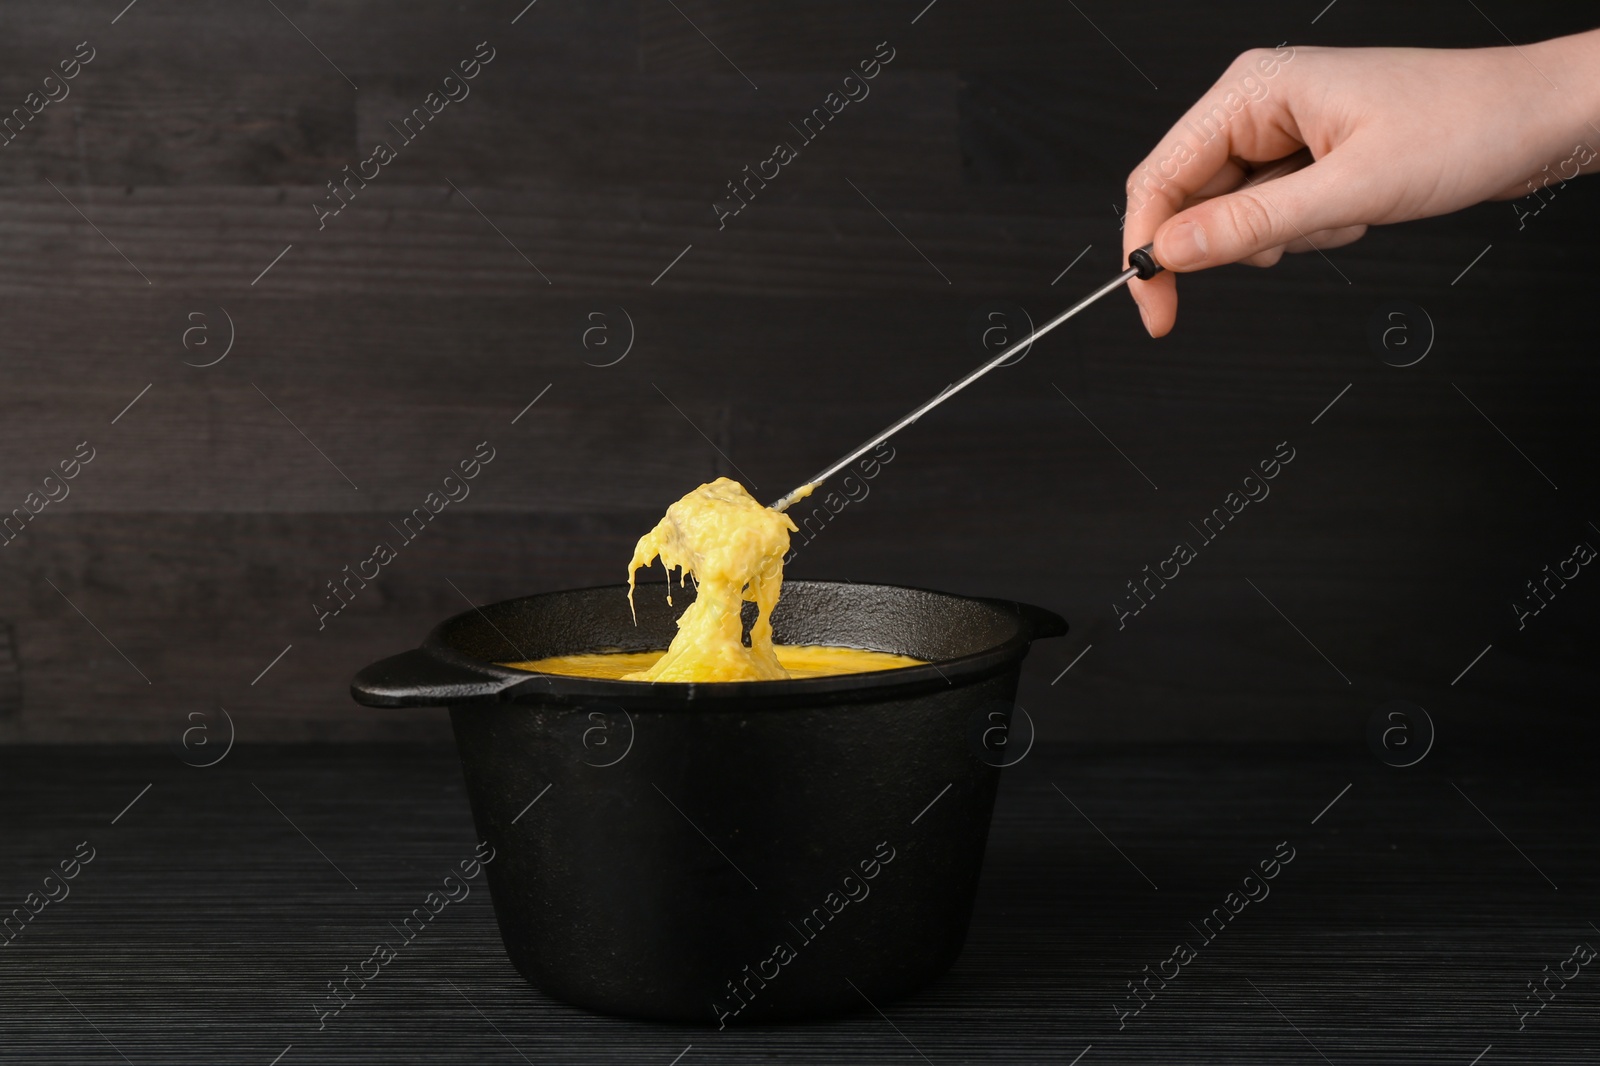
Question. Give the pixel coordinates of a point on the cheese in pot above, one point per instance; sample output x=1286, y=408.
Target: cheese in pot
x=733, y=547
x=797, y=660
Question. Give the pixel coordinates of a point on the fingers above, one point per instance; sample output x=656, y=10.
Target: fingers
x=1245, y=115
x=1322, y=240
x=1228, y=177
x=1257, y=218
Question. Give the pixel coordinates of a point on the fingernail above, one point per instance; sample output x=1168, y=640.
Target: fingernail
x=1184, y=245
x=1144, y=316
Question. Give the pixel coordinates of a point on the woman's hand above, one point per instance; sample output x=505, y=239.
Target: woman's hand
x=1397, y=134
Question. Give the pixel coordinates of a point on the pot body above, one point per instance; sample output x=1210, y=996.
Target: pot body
x=737, y=852
x=733, y=866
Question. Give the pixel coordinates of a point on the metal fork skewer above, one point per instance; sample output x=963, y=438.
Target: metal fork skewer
x=872, y=442
x=1143, y=266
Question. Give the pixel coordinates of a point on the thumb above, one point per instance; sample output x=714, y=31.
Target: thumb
x=1255, y=218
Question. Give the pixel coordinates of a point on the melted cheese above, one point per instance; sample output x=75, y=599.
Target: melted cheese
x=797, y=660
x=734, y=548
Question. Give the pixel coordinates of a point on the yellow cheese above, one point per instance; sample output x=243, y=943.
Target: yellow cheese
x=734, y=548
x=797, y=660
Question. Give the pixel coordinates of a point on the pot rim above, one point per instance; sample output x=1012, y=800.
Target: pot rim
x=456, y=679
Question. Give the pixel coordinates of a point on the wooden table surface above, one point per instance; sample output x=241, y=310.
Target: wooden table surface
x=1418, y=906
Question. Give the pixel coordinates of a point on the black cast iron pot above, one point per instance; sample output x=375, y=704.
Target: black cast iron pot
x=733, y=852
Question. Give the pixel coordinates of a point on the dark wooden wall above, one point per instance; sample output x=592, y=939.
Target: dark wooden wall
x=459, y=283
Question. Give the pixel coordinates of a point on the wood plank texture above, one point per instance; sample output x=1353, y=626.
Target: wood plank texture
x=169, y=200
x=1404, y=928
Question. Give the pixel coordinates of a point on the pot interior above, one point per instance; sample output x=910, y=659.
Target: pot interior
x=933, y=626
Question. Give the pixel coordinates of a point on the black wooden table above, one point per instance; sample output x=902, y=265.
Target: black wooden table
x=1419, y=909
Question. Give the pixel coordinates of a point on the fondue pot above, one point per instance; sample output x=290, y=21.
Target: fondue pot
x=731, y=852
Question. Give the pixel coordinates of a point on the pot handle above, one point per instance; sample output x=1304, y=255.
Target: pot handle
x=420, y=678
x=1040, y=623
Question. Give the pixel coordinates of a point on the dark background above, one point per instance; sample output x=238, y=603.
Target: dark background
x=596, y=141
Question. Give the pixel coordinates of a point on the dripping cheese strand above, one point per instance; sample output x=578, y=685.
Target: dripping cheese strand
x=734, y=548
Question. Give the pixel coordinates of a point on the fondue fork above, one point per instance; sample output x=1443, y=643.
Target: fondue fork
x=1141, y=264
